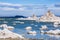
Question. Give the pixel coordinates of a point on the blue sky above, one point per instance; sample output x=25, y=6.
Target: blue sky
x=28, y=7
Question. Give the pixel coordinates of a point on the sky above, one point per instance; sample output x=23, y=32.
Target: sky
x=28, y=7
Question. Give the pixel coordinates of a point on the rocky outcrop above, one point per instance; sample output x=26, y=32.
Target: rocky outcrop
x=49, y=17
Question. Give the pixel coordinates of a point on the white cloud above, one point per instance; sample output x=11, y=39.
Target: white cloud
x=10, y=4
x=7, y=9
x=26, y=9
x=11, y=7
x=53, y=7
x=31, y=8
x=20, y=7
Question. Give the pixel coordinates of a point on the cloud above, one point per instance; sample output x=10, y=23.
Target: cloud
x=38, y=9
x=10, y=4
x=53, y=7
x=57, y=5
x=22, y=9
x=7, y=9
x=10, y=7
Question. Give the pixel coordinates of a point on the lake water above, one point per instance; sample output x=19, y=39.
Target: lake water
x=20, y=28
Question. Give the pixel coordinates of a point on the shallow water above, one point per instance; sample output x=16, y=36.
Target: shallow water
x=20, y=28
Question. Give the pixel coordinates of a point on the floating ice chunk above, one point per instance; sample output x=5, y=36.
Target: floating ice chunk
x=54, y=32
x=56, y=24
x=32, y=33
x=43, y=27
x=28, y=28
x=10, y=28
x=3, y=25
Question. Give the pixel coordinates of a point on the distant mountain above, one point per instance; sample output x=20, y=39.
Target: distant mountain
x=19, y=16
